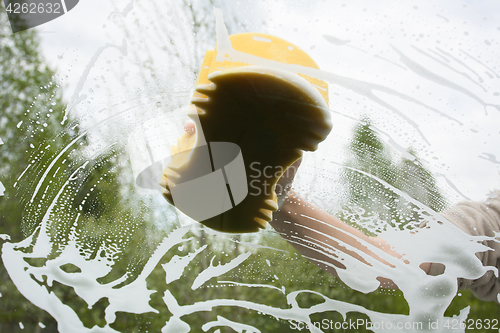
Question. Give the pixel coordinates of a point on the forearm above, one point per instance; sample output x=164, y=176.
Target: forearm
x=318, y=235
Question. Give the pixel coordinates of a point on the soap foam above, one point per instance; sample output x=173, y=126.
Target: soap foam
x=427, y=296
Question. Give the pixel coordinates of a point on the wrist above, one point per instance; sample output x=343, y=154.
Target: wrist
x=286, y=198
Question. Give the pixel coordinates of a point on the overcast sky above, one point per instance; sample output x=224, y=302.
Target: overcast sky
x=426, y=72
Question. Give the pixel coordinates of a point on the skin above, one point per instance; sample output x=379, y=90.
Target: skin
x=305, y=226
x=189, y=128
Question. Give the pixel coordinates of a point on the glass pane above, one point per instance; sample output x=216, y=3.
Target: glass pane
x=393, y=217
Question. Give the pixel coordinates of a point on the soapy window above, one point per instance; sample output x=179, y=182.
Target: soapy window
x=393, y=222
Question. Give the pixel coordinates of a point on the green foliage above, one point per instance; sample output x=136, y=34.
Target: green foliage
x=279, y=267
x=376, y=184
x=30, y=127
x=39, y=155
x=373, y=181
x=32, y=110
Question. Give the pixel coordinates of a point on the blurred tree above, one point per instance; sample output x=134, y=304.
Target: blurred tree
x=30, y=127
x=369, y=166
x=370, y=159
x=32, y=108
x=418, y=182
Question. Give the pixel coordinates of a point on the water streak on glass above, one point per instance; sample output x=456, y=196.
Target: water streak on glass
x=100, y=253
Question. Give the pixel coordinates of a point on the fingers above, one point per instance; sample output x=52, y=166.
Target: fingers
x=289, y=174
x=189, y=127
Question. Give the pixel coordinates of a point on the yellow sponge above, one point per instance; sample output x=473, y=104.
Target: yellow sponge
x=270, y=114
x=263, y=46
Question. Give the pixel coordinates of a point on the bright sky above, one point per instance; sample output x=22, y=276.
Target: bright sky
x=426, y=72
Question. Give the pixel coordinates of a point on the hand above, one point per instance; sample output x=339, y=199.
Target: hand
x=189, y=127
